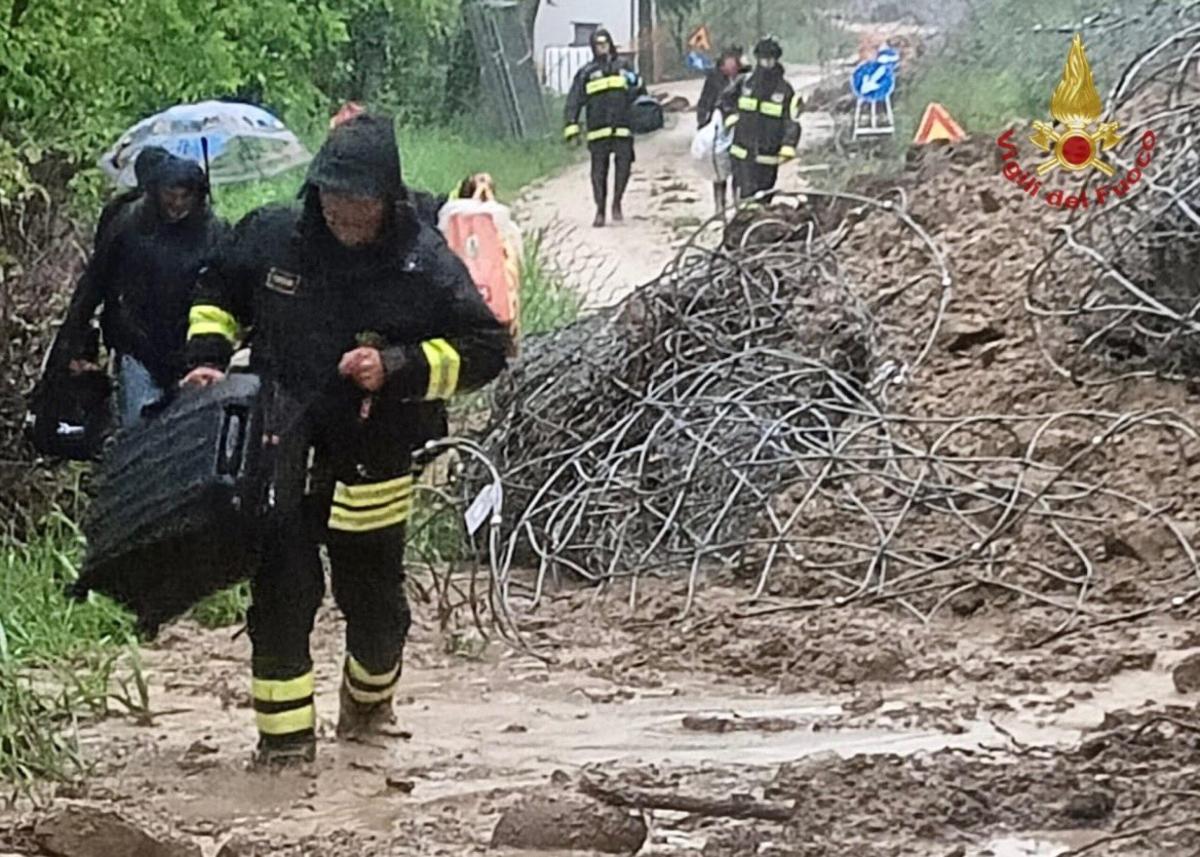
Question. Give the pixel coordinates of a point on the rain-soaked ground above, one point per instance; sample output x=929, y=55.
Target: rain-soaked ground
x=866, y=760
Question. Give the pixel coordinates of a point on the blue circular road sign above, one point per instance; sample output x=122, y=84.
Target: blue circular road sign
x=874, y=80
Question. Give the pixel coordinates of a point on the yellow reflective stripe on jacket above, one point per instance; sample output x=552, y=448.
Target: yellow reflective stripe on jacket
x=206, y=319
x=603, y=84
x=768, y=160
x=797, y=106
x=787, y=153
x=287, y=722
x=732, y=120
x=444, y=366
x=738, y=152
x=374, y=494
x=570, y=131
x=767, y=108
x=605, y=133
x=285, y=690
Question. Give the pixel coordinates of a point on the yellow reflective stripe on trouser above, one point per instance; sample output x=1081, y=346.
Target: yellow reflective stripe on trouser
x=287, y=722
x=603, y=84
x=366, y=508
x=207, y=319
x=738, y=152
x=369, y=688
x=444, y=365
x=285, y=690
x=373, y=494
x=570, y=131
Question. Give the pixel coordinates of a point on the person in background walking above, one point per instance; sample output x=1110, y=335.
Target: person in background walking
x=150, y=245
x=764, y=112
x=606, y=88
x=729, y=68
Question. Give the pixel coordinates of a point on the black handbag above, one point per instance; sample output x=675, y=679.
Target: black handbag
x=70, y=414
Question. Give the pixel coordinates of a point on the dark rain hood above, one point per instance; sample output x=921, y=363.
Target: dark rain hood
x=360, y=157
x=605, y=34
x=162, y=171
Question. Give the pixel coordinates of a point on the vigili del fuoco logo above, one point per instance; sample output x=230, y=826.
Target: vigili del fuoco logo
x=1076, y=142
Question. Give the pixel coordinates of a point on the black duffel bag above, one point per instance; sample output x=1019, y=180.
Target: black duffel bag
x=178, y=511
x=647, y=115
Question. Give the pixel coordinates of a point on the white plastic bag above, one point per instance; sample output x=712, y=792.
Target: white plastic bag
x=710, y=150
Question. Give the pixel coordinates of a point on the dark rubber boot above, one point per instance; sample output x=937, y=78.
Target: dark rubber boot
x=599, y=221
x=289, y=752
x=356, y=720
x=618, y=216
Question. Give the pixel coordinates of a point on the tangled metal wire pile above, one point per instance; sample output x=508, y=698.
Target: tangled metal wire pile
x=1120, y=288
x=739, y=414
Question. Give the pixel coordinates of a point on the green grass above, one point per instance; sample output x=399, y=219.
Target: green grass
x=57, y=659
x=547, y=302
x=434, y=160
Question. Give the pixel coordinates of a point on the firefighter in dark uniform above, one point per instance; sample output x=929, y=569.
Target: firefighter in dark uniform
x=764, y=112
x=363, y=323
x=606, y=88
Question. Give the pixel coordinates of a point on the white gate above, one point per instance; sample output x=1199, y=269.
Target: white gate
x=561, y=64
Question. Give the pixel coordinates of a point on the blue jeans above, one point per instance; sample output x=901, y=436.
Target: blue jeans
x=135, y=390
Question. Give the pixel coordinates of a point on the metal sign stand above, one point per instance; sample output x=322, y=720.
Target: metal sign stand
x=861, y=129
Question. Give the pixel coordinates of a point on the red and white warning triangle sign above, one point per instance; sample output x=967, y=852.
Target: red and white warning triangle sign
x=938, y=124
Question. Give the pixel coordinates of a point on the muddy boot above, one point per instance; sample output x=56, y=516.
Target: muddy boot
x=287, y=752
x=361, y=720
x=599, y=221
x=617, y=215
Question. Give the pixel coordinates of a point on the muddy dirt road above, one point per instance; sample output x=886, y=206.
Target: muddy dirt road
x=823, y=716
x=665, y=202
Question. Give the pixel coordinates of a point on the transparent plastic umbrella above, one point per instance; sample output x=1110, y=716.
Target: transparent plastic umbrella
x=244, y=142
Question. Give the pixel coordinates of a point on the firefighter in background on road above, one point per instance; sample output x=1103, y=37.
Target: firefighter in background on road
x=729, y=68
x=363, y=322
x=606, y=88
x=764, y=112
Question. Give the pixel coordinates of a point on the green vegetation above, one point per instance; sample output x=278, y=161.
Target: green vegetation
x=1000, y=64
x=547, y=302
x=435, y=159
x=57, y=658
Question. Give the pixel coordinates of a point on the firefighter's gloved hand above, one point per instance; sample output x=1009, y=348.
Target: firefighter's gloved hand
x=202, y=376
x=364, y=366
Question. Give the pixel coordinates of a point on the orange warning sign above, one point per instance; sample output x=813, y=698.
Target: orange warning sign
x=937, y=124
x=700, y=39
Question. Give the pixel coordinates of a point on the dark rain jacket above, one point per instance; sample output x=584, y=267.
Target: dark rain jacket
x=710, y=98
x=305, y=300
x=764, y=111
x=142, y=272
x=605, y=89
